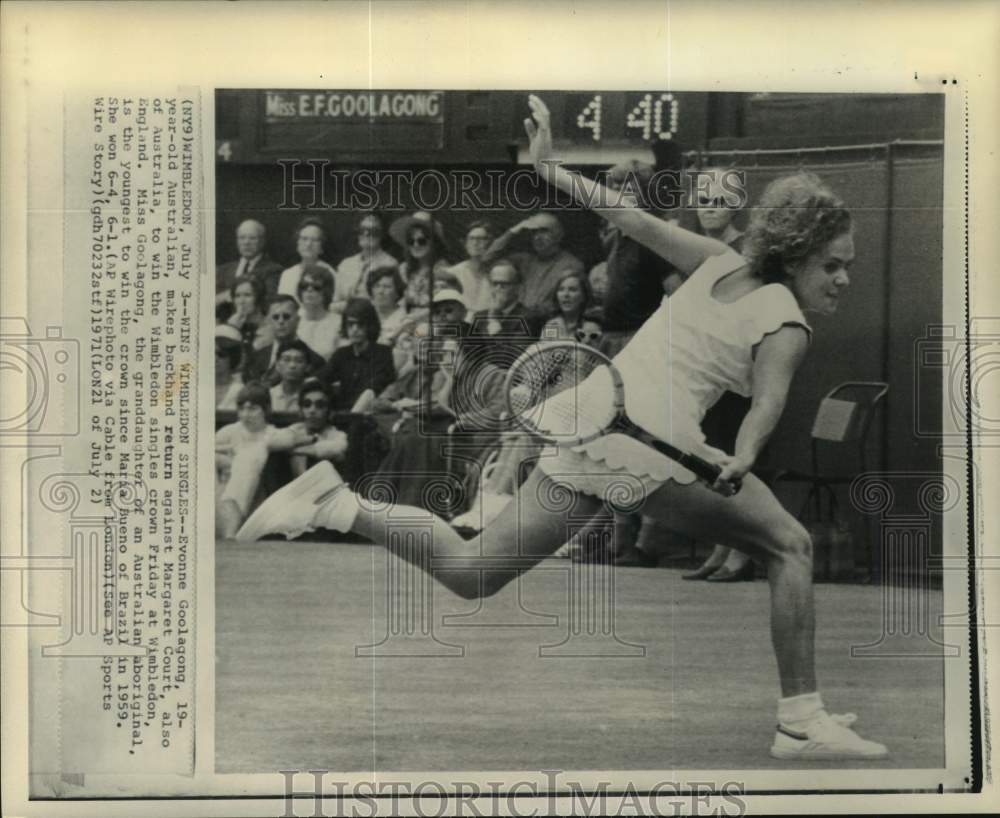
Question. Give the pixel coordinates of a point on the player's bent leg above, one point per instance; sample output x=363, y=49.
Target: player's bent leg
x=754, y=521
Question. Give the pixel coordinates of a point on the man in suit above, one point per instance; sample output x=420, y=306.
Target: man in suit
x=283, y=321
x=251, y=239
x=507, y=325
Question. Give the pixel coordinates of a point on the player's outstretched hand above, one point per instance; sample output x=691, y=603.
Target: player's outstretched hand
x=539, y=129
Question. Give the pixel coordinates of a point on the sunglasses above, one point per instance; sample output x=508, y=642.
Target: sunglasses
x=417, y=241
x=718, y=202
x=318, y=404
x=310, y=285
x=587, y=337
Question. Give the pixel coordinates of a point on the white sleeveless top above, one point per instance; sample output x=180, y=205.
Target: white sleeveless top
x=679, y=363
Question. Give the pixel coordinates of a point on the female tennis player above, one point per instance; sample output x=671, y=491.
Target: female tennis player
x=736, y=324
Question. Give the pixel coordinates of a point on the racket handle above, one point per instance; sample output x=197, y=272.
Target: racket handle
x=708, y=472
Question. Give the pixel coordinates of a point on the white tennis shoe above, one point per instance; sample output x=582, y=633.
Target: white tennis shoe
x=828, y=736
x=292, y=509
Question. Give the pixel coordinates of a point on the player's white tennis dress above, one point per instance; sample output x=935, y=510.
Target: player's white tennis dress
x=679, y=363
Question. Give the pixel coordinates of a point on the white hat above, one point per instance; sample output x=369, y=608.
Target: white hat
x=449, y=294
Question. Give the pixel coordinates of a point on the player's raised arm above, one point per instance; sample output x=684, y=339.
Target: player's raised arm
x=682, y=248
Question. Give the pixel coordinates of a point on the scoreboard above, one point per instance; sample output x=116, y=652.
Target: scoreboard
x=415, y=127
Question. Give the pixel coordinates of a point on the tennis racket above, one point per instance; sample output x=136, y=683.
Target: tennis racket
x=543, y=398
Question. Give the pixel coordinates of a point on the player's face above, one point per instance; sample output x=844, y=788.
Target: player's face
x=291, y=365
x=820, y=280
x=569, y=295
x=309, y=244
x=314, y=407
x=384, y=293
x=243, y=299
x=418, y=242
x=249, y=239
x=590, y=333
x=477, y=242
x=284, y=320
x=252, y=416
x=370, y=234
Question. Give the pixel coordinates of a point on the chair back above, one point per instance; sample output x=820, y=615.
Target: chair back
x=845, y=415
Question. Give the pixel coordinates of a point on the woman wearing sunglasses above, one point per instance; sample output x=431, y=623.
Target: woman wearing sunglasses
x=422, y=239
x=319, y=326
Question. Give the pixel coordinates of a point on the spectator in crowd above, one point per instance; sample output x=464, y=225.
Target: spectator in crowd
x=360, y=369
x=473, y=273
x=282, y=324
x=318, y=326
x=247, y=297
x=637, y=277
x=386, y=289
x=470, y=396
x=715, y=216
x=251, y=240
x=422, y=239
x=310, y=243
x=228, y=357
x=542, y=266
x=598, y=280
x=571, y=301
x=507, y=321
x=449, y=310
x=328, y=442
x=591, y=331
x=420, y=386
x=291, y=366
x=353, y=272
x=241, y=451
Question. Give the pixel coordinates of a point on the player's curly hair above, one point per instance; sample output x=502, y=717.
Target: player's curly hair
x=795, y=217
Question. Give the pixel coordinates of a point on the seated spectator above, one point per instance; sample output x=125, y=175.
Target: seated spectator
x=506, y=323
x=385, y=289
x=354, y=271
x=472, y=400
x=228, y=356
x=420, y=386
x=422, y=239
x=329, y=442
x=449, y=310
x=591, y=331
x=283, y=324
x=472, y=273
x=253, y=263
x=361, y=369
x=598, y=280
x=247, y=297
x=318, y=326
x=291, y=365
x=543, y=265
x=571, y=301
x=241, y=451
x=310, y=242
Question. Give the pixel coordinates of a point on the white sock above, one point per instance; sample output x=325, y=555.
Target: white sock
x=338, y=512
x=798, y=711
